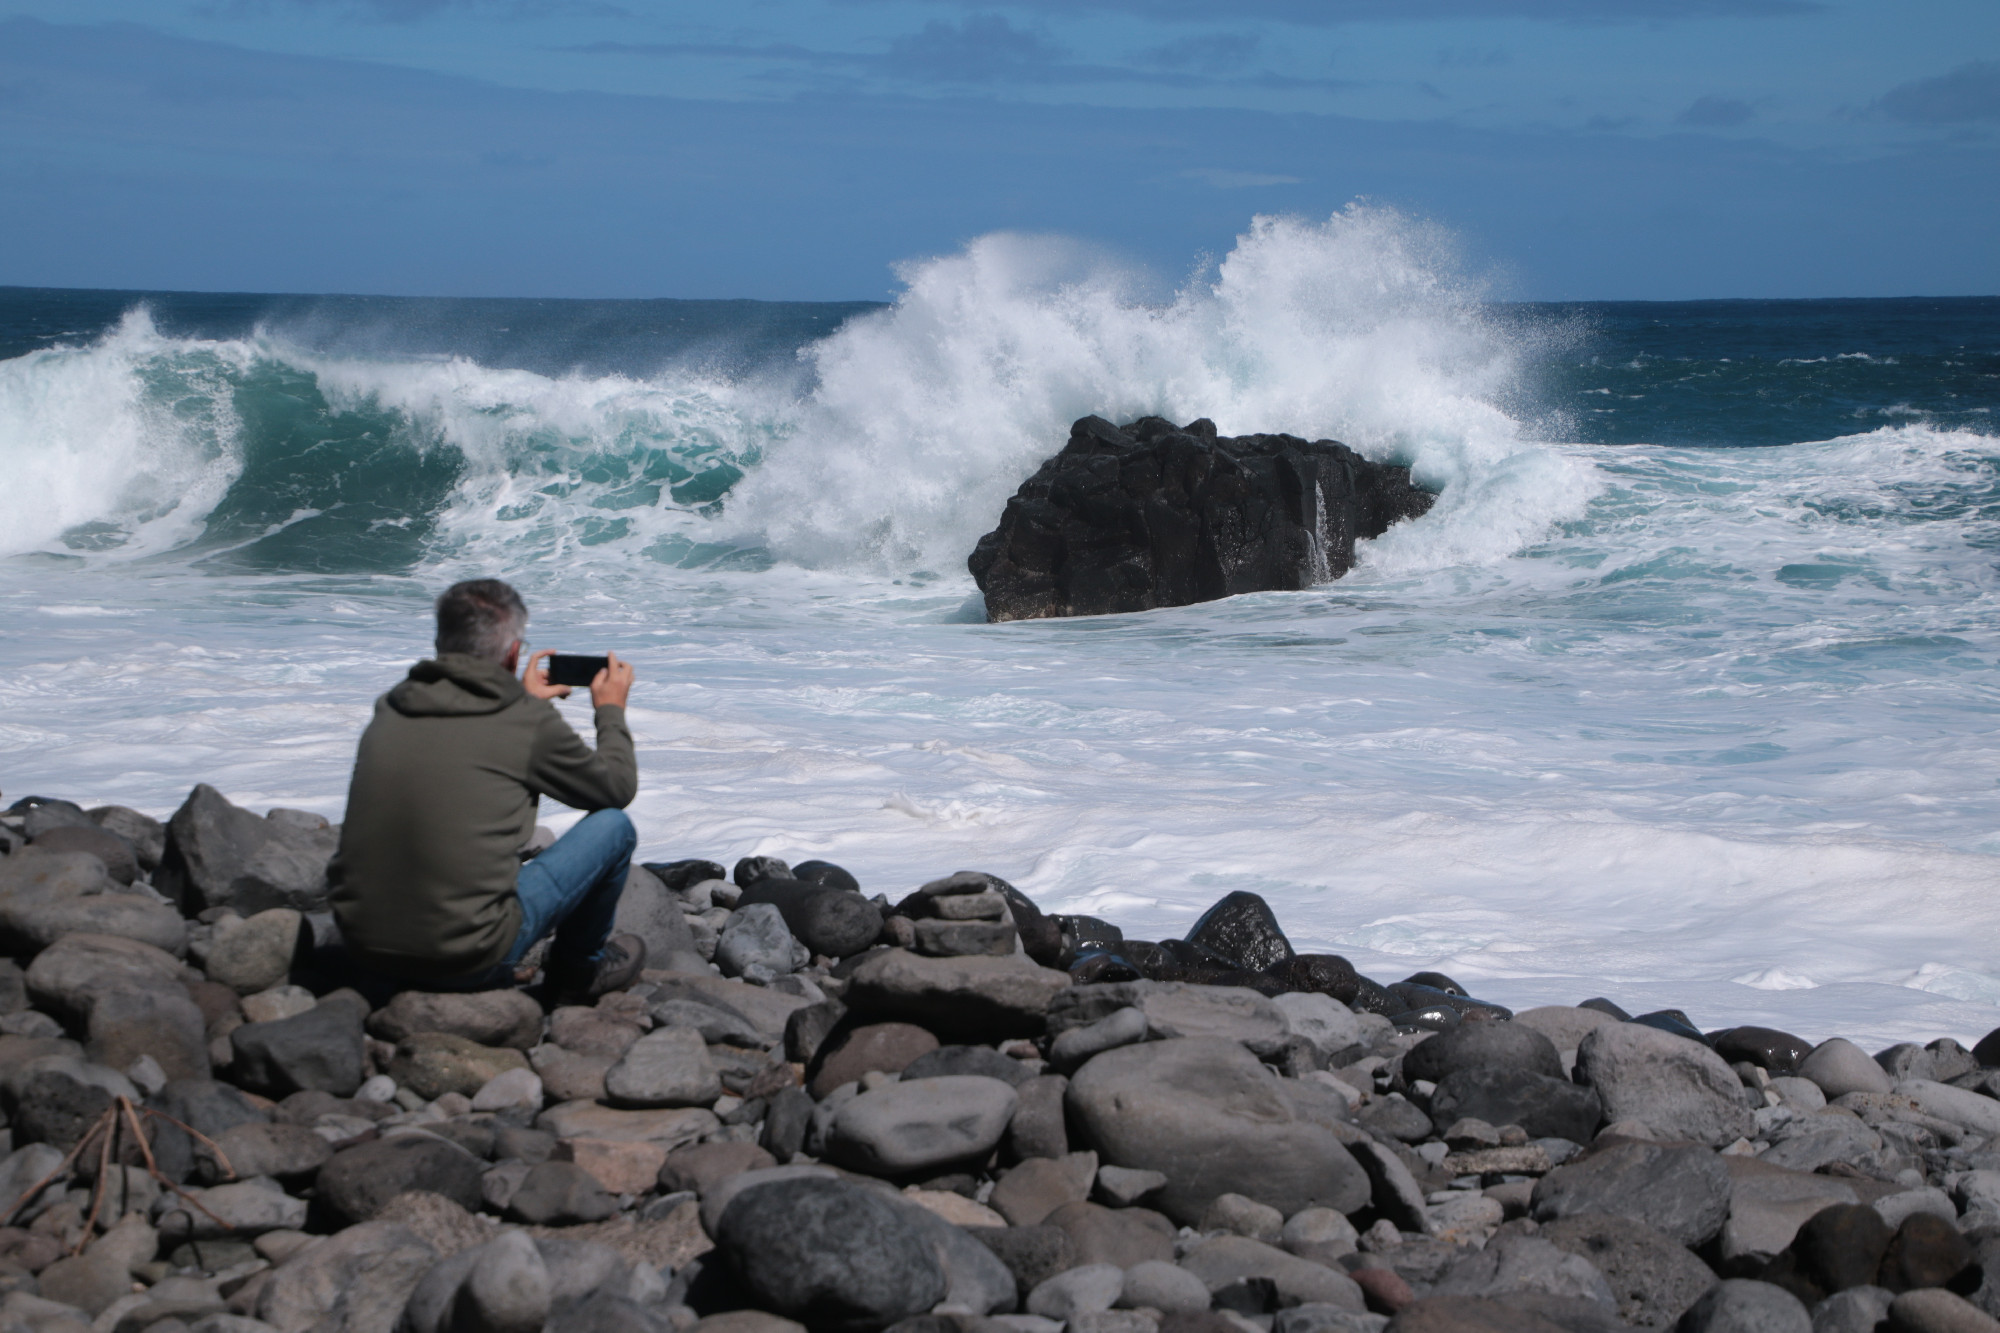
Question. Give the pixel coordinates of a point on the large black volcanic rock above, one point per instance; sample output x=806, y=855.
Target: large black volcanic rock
x=1154, y=514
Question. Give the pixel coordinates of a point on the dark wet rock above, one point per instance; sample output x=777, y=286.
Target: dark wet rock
x=831, y=921
x=1213, y=1119
x=221, y=855
x=1415, y=996
x=359, y=1181
x=1544, y=1107
x=1319, y=973
x=680, y=875
x=1680, y=1190
x=1652, y=1276
x=1083, y=935
x=1372, y=997
x=1158, y=515
x=831, y=1255
x=1779, y=1053
x=1511, y=1046
x=1604, y=1006
x=1673, y=1021
x=1242, y=928
x=827, y=875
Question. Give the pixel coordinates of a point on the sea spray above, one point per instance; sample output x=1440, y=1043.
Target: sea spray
x=930, y=413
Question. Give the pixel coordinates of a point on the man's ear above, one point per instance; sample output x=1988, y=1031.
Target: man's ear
x=513, y=662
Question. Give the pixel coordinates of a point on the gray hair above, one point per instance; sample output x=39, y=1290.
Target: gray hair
x=480, y=618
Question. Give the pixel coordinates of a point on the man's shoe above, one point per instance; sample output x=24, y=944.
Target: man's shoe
x=618, y=966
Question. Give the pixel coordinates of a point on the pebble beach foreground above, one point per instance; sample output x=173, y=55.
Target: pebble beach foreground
x=939, y=1114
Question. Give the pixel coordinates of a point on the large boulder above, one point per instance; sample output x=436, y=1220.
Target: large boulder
x=1214, y=1120
x=1160, y=515
x=221, y=855
x=832, y=1255
x=1677, y=1088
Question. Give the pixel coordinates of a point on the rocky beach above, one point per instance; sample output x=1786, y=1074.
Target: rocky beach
x=850, y=1107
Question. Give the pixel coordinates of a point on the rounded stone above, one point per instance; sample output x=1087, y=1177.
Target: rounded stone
x=830, y=1255
x=1503, y=1045
x=1162, y=1286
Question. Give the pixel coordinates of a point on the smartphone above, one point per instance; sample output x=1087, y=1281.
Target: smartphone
x=574, y=669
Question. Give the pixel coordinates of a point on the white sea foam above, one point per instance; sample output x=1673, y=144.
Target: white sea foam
x=1709, y=728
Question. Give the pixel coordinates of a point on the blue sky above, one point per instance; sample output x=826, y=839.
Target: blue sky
x=799, y=148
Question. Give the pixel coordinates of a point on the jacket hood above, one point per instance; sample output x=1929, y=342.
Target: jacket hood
x=454, y=685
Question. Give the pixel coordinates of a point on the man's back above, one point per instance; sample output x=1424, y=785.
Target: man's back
x=442, y=800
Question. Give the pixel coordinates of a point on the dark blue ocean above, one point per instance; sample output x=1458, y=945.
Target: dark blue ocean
x=1684, y=691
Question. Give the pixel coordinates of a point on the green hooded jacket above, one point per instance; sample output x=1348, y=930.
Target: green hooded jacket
x=443, y=799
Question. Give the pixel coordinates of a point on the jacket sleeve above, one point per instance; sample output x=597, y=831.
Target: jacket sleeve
x=578, y=776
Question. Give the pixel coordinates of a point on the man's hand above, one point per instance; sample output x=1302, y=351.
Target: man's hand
x=613, y=685
x=535, y=680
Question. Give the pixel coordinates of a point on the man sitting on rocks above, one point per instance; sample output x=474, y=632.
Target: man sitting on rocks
x=428, y=885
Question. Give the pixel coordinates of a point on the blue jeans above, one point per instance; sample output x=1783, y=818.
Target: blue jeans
x=571, y=891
